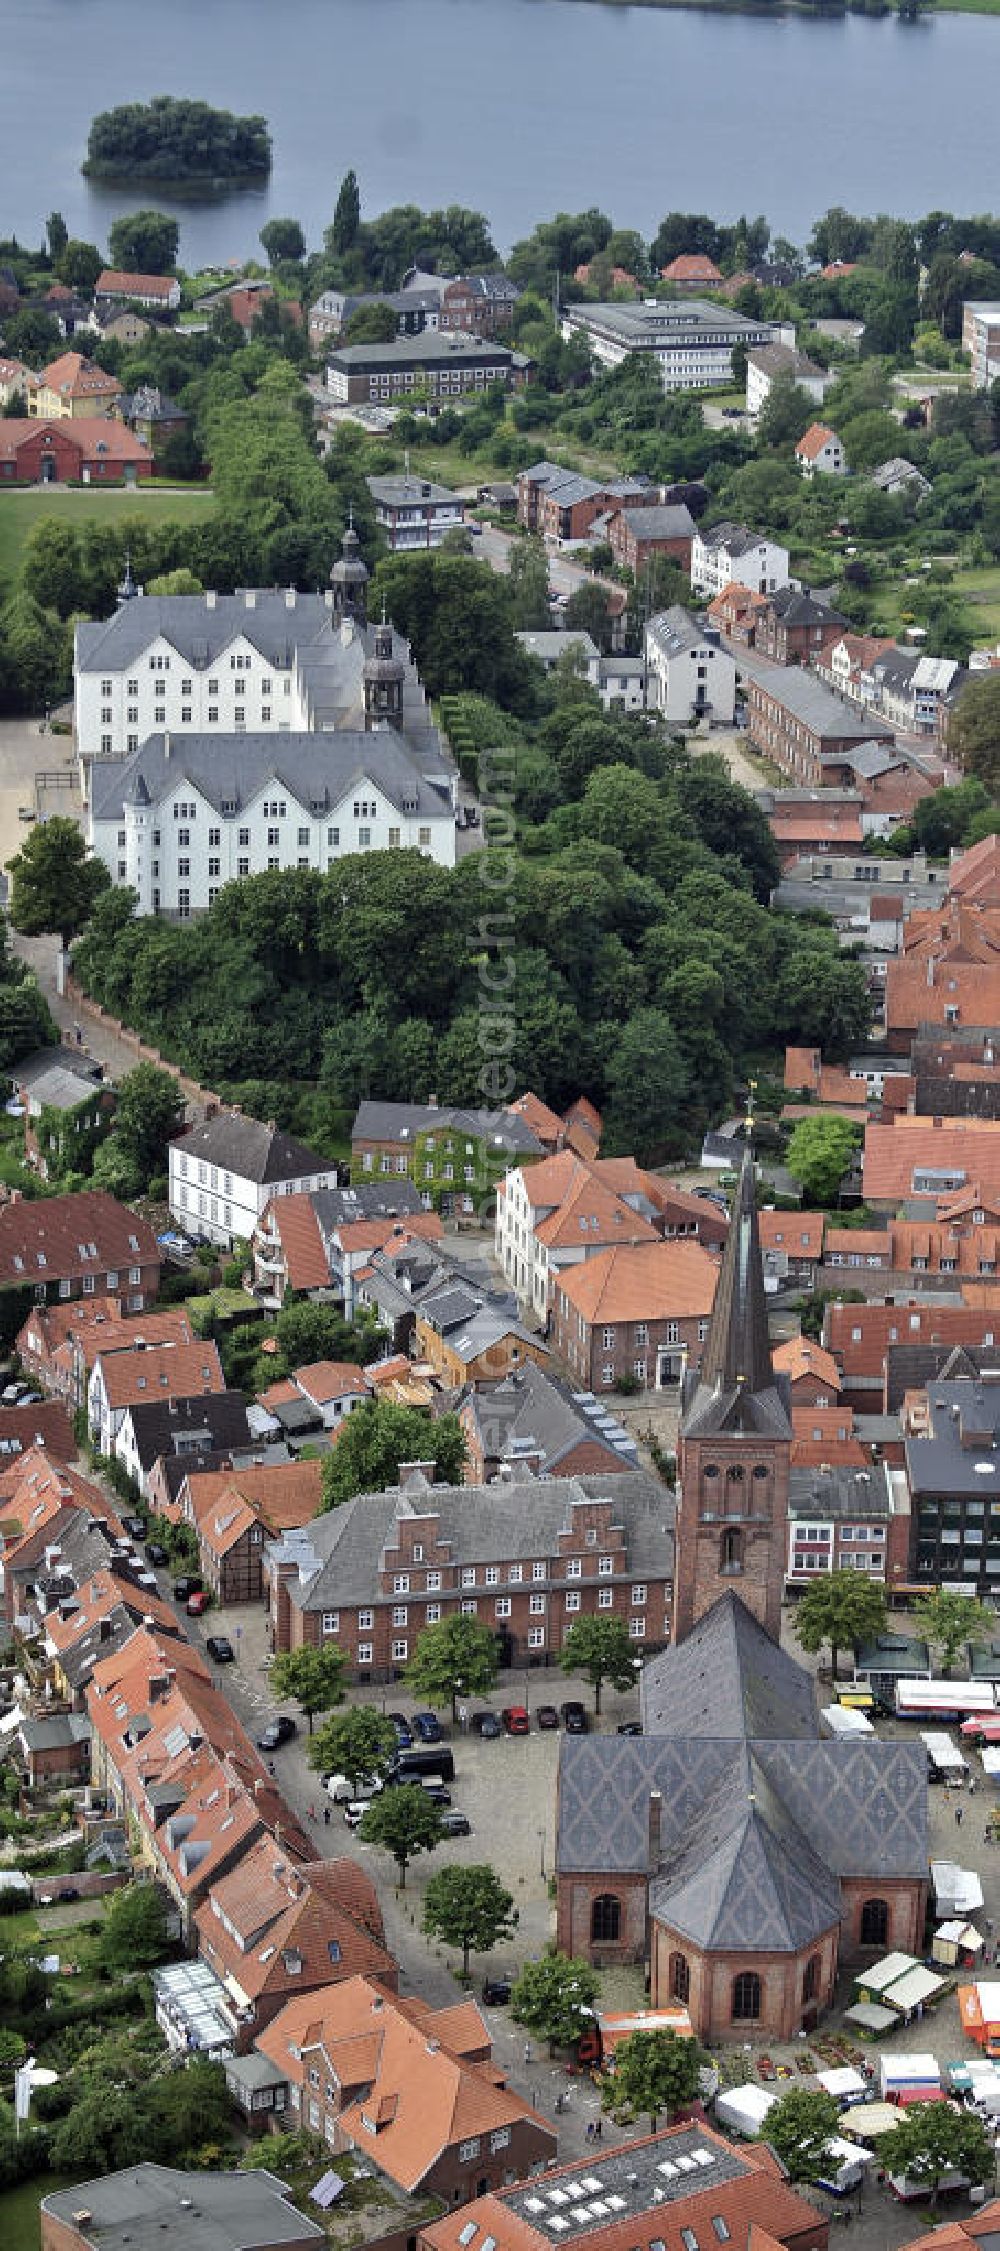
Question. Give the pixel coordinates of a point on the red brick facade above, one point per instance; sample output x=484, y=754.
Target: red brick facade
x=91, y=452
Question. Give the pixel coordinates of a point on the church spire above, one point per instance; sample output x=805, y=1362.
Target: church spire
x=736, y=1385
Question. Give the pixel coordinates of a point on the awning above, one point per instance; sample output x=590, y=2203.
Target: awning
x=911, y=1991
x=868, y=2120
x=869, y=2016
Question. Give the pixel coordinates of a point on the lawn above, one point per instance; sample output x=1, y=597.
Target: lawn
x=20, y=2224
x=981, y=589
x=21, y=511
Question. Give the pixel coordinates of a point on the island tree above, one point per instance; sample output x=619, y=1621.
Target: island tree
x=841, y=1607
x=456, y=1658
x=314, y=1677
x=469, y=1907
x=170, y=139
x=360, y=1743
x=934, y=2139
x=554, y=1997
x=404, y=1822
x=655, y=2072
x=600, y=1649
x=799, y=2128
x=54, y=882
x=949, y=1620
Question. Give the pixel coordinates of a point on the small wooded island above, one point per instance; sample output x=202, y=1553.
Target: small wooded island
x=168, y=139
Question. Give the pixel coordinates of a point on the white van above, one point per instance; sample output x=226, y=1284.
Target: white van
x=342, y=1790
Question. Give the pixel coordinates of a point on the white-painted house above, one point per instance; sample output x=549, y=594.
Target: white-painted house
x=225, y=1172
x=768, y=364
x=820, y=453
x=690, y=676
x=728, y=553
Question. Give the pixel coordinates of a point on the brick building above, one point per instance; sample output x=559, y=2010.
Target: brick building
x=235, y=1512
x=865, y=1338
x=399, y=2084
x=795, y=628
x=526, y=1557
x=60, y=1343
x=80, y=1245
x=91, y=452
x=930, y=1157
x=272, y=1930
x=249, y=2211
x=449, y=367
x=532, y=1421
x=637, y=534
x=793, y=719
x=639, y=1311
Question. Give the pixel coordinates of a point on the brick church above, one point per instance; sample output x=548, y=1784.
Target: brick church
x=733, y=1848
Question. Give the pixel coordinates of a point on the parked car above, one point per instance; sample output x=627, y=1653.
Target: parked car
x=547, y=1716
x=487, y=1725
x=629, y=1727
x=277, y=1732
x=182, y=1588
x=135, y=1526
x=355, y=1811
x=12, y=1393
x=456, y=1825
x=157, y=1555
x=197, y=1603
x=436, y=1794
x=496, y=1992
x=219, y=1646
x=345, y=1790
x=574, y=1717
x=427, y=1726
x=404, y=1732
x=515, y=1719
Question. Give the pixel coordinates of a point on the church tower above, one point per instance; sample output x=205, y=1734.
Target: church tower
x=384, y=678
x=349, y=580
x=734, y=1445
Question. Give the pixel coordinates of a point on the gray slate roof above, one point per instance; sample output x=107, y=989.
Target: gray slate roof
x=402, y=1121
x=674, y=631
x=800, y=693
x=247, y=1146
x=840, y=1491
x=481, y=1523
x=961, y=1456
x=735, y=538
x=213, y=1422
x=408, y=492
x=55, y=1733
x=728, y=1679
x=745, y=1873
x=533, y=1410
x=796, y=606
x=200, y=628
x=229, y=771
x=58, y=1077
x=660, y=523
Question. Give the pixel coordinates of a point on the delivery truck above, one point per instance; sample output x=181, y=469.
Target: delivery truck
x=943, y=1699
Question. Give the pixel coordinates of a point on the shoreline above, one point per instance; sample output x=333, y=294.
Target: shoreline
x=819, y=11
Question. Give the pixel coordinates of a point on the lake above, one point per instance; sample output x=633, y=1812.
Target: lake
x=519, y=108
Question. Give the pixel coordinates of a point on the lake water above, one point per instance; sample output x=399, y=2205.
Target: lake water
x=516, y=107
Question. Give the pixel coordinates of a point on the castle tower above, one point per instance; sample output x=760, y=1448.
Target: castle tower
x=734, y=1445
x=349, y=580
x=383, y=676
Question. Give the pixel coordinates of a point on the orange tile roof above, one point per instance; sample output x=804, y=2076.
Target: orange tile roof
x=96, y=1599
x=912, y=998
x=53, y=1234
x=325, y=1380
x=800, y=1357
x=799, y=1233
x=839, y=825
x=893, y=1154
x=960, y=932
x=281, y=1495
x=861, y=1335
x=46, y=1425
x=691, y=266
x=643, y=1282
x=98, y=1324
x=306, y=1264
x=816, y=437
x=160, y=1371
x=323, y=1912
x=111, y=283
x=975, y=875
x=76, y=378
x=420, y=2099
x=590, y=1213
x=543, y=1122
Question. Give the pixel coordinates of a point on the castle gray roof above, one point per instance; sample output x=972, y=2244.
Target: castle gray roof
x=201, y=626
x=402, y=1121
x=479, y=1523
x=229, y=771
x=247, y=1146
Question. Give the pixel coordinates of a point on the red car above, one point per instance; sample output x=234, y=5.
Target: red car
x=196, y=1604
x=515, y=1720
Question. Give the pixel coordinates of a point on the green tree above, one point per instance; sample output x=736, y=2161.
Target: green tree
x=934, y=2139
x=403, y=1821
x=134, y=1935
x=281, y=240
x=841, y=1607
x=144, y=242
x=974, y=732
x=456, y=1658
x=314, y=1677
x=176, y=139
x=347, y=215
x=529, y=581
x=371, y=324
x=589, y=611
x=105, y=2130
x=378, y=1437
x=57, y=233
x=54, y=884
x=149, y=1114
x=357, y=1743
x=79, y=264
x=948, y=1621
x=600, y=1649
x=647, y=1082
x=799, y=2127
x=180, y=581
x=819, y=1154
x=554, y=1998
x=654, y=2072
x=469, y=1907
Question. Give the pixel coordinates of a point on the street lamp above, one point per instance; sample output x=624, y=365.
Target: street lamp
x=541, y=1854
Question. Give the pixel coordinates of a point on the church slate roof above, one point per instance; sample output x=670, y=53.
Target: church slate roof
x=728, y=1679
x=736, y=1390
x=744, y=1875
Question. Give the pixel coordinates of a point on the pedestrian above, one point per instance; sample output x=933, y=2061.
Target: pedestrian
x=312, y=1812
x=590, y=2131
x=527, y=2051
x=989, y=1926
x=326, y=1817
x=958, y=1817
x=597, y=2129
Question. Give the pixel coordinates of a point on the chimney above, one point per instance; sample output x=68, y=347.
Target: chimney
x=166, y=746
x=655, y=1823
x=930, y=969
x=210, y=599
x=413, y=1473
x=249, y=597
x=290, y=597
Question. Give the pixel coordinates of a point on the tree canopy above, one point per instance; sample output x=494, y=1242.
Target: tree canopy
x=600, y=1649
x=654, y=2072
x=144, y=242
x=469, y=1907
x=358, y=1743
x=839, y=1607
x=134, y=1932
x=378, y=1437
x=169, y=139
x=314, y=1677
x=403, y=1821
x=934, y=2139
x=54, y=883
x=456, y=1658
x=948, y=1621
x=799, y=2127
x=554, y=1997
x=819, y=1153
